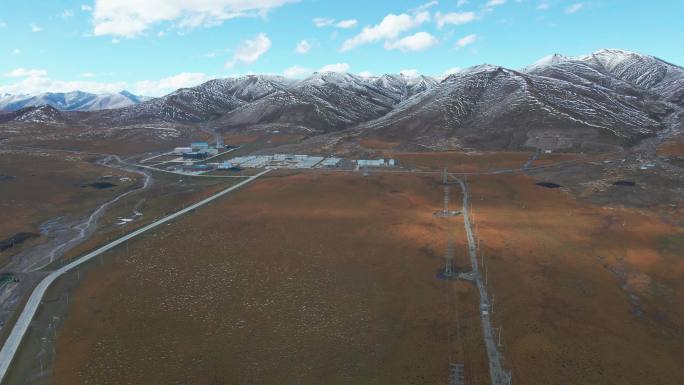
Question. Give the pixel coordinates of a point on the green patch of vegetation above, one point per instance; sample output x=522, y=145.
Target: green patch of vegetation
x=672, y=244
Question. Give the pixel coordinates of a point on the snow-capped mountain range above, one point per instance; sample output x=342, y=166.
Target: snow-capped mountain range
x=608, y=98
x=70, y=101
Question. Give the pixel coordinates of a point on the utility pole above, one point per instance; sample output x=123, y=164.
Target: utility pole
x=482, y=257
x=449, y=263
x=445, y=181
x=484, y=261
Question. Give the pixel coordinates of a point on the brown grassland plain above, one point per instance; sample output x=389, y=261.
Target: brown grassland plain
x=674, y=147
x=46, y=185
x=306, y=278
x=329, y=278
x=472, y=162
x=587, y=294
x=166, y=194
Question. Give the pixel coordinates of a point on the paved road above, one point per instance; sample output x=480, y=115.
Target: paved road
x=21, y=326
x=499, y=376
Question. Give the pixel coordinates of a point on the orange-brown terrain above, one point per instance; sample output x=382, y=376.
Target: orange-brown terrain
x=461, y=161
x=586, y=294
x=42, y=185
x=321, y=277
x=314, y=279
x=674, y=147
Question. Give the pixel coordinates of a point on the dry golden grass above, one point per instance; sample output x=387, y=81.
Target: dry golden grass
x=49, y=185
x=329, y=278
x=674, y=147
x=563, y=273
x=376, y=144
x=305, y=279
x=463, y=162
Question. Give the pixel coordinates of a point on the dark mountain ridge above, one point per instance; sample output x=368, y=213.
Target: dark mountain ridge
x=606, y=99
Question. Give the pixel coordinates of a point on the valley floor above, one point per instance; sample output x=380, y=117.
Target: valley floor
x=331, y=277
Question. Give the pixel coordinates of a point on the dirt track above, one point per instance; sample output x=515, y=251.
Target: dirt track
x=330, y=279
x=282, y=281
x=587, y=294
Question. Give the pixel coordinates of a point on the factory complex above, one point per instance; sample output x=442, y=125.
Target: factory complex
x=280, y=161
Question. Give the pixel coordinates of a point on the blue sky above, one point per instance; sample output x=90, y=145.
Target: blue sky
x=152, y=47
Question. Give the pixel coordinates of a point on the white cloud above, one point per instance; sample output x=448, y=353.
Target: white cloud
x=67, y=13
x=303, y=47
x=86, y=7
x=169, y=84
x=461, y=3
x=3, y=24
x=456, y=18
x=16, y=51
x=297, y=72
x=543, y=6
x=35, y=28
x=366, y=74
x=350, y=23
x=161, y=34
x=411, y=73
x=130, y=18
x=116, y=41
x=466, y=40
x=25, y=73
x=33, y=81
x=37, y=81
x=337, y=67
x=417, y=42
x=425, y=6
x=321, y=22
x=249, y=51
x=574, y=8
x=389, y=28
x=494, y=3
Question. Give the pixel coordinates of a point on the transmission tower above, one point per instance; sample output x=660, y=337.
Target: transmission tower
x=219, y=141
x=449, y=259
x=445, y=212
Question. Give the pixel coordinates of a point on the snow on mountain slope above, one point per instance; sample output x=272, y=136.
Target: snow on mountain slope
x=618, y=68
x=39, y=115
x=501, y=107
x=70, y=101
x=322, y=102
x=207, y=101
x=610, y=97
x=330, y=101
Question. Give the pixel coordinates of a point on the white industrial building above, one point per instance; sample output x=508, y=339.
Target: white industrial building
x=375, y=162
x=199, y=146
x=330, y=162
x=273, y=161
x=181, y=150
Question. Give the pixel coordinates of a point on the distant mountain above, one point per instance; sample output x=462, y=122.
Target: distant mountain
x=322, y=102
x=608, y=99
x=205, y=102
x=617, y=69
x=38, y=115
x=611, y=97
x=70, y=101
